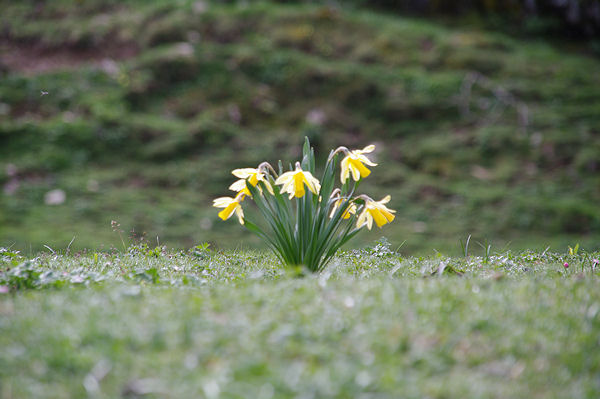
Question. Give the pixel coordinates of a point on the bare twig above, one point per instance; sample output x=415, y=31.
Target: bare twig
x=496, y=105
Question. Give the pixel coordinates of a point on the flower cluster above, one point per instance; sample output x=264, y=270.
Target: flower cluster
x=307, y=219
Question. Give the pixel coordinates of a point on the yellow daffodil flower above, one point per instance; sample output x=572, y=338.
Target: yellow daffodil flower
x=355, y=162
x=293, y=182
x=375, y=210
x=231, y=205
x=253, y=176
x=351, y=210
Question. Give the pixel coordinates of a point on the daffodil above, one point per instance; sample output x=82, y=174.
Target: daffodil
x=250, y=175
x=355, y=162
x=311, y=230
x=375, y=210
x=351, y=210
x=231, y=205
x=293, y=182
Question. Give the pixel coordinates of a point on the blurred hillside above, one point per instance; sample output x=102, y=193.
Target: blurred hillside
x=137, y=111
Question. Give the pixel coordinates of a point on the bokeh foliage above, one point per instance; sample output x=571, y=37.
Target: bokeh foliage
x=150, y=104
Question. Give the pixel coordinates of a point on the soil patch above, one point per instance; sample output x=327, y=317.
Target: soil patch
x=33, y=59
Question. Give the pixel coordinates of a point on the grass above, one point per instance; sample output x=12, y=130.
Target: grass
x=156, y=323
x=149, y=138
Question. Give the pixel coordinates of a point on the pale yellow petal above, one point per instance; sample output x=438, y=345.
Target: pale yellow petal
x=317, y=184
x=385, y=199
x=288, y=186
x=240, y=214
x=365, y=160
x=244, y=173
x=285, y=177
x=311, y=182
x=355, y=171
x=369, y=148
x=222, y=202
x=363, y=219
x=269, y=187
x=238, y=185
x=345, y=169
x=335, y=207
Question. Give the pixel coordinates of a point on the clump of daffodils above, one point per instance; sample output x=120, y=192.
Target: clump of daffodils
x=306, y=219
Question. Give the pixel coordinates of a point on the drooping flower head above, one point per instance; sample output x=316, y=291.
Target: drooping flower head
x=252, y=176
x=231, y=205
x=293, y=182
x=354, y=162
x=375, y=210
x=350, y=210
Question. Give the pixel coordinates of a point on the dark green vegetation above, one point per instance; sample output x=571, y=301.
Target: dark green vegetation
x=204, y=324
x=150, y=104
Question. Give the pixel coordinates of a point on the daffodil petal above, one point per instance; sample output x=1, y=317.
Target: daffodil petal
x=288, y=186
x=355, y=171
x=368, y=149
x=363, y=219
x=311, y=182
x=222, y=202
x=269, y=187
x=335, y=207
x=240, y=214
x=238, y=185
x=244, y=173
x=345, y=165
x=365, y=160
x=284, y=178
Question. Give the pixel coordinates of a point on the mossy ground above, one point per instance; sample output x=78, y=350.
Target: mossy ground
x=150, y=104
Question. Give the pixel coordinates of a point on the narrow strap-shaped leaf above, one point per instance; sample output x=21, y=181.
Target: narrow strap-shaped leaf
x=336, y=247
x=325, y=238
x=278, y=230
x=270, y=243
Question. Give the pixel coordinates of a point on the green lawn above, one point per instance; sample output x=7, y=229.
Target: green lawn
x=151, y=104
x=235, y=325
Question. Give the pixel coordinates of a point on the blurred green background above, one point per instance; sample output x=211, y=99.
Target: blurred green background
x=486, y=116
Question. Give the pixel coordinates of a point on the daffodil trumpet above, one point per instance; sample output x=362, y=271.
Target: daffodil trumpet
x=306, y=220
